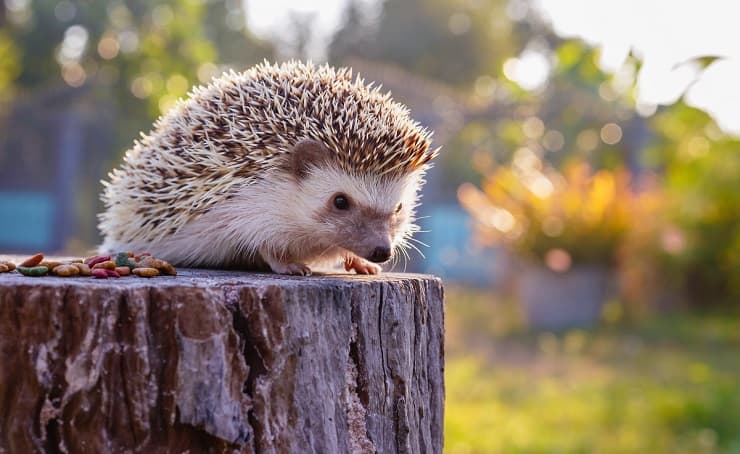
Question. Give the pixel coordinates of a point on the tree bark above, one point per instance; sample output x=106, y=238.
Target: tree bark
x=217, y=361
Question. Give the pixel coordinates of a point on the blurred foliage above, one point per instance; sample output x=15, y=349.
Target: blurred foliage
x=647, y=258
x=579, y=114
x=578, y=216
x=669, y=384
x=138, y=56
x=702, y=180
x=9, y=67
x=452, y=41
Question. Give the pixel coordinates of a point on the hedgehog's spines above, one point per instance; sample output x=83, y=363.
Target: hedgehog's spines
x=236, y=127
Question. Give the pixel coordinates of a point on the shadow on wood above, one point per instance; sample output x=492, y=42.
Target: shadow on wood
x=222, y=361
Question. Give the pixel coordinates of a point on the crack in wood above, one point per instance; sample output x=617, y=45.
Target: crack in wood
x=355, y=408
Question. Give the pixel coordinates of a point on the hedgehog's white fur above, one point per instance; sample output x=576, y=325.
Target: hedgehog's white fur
x=206, y=188
x=252, y=222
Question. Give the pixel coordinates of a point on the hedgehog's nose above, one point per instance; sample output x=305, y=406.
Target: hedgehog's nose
x=380, y=254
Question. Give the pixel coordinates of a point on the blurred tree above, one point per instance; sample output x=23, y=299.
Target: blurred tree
x=121, y=64
x=9, y=67
x=142, y=55
x=353, y=35
x=702, y=167
x=451, y=41
x=226, y=27
x=297, y=42
x=487, y=50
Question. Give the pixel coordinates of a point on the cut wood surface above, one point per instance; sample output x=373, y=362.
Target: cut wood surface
x=221, y=361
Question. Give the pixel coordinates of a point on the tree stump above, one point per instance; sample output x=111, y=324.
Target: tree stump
x=219, y=361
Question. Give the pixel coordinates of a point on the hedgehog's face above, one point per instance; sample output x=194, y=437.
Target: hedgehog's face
x=367, y=215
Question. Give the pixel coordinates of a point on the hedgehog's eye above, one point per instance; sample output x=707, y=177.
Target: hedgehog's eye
x=398, y=208
x=341, y=202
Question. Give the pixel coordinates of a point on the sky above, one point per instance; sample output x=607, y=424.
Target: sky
x=665, y=34
x=269, y=18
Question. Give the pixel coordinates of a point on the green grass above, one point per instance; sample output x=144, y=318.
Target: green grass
x=670, y=384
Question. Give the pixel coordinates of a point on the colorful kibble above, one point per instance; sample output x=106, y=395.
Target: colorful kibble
x=159, y=264
x=99, y=273
x=92, y=261
x=4, y=268
x=33, y=271
x=168, y=269
x=147, y=262
x=50, y=264
x=124, y=259
x=9, y=265
x=100, y=266
x=107, y=265
x=66, y=270
x=33, y=261
x=82, y=268
x=146, y=272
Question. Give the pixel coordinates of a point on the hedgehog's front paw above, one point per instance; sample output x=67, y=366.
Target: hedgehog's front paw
x=297, y=269
x=361, y=266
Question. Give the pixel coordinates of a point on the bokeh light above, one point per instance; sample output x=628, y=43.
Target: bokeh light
x=530, y=70
x=587, y=140
x=553, y=140
x=558, y=260
x=611, y=134
x=533, y=128
x=108, y=47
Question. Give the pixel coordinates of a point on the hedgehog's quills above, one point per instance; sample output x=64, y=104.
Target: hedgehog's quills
x=282, y=167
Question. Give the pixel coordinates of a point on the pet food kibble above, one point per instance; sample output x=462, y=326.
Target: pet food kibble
x=100, y=273
x=83, y=269
x=146, y=272
x=50, y=264
x=66, y=270
x=33, y=271
x=147, y=261
x=124, y=259
x=107, y=265
x=33, y=261
x=4, y=268
x=92, y=261
x=167, y=269
x=123, y=263
x=10, y=265
x=159, y=264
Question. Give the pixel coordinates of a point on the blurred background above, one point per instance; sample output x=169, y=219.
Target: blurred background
x=584, y=213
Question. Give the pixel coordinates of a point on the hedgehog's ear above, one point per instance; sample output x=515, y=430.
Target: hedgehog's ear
x=306, y=154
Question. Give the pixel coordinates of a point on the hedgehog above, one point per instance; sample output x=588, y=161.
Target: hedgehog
x=284, y=167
